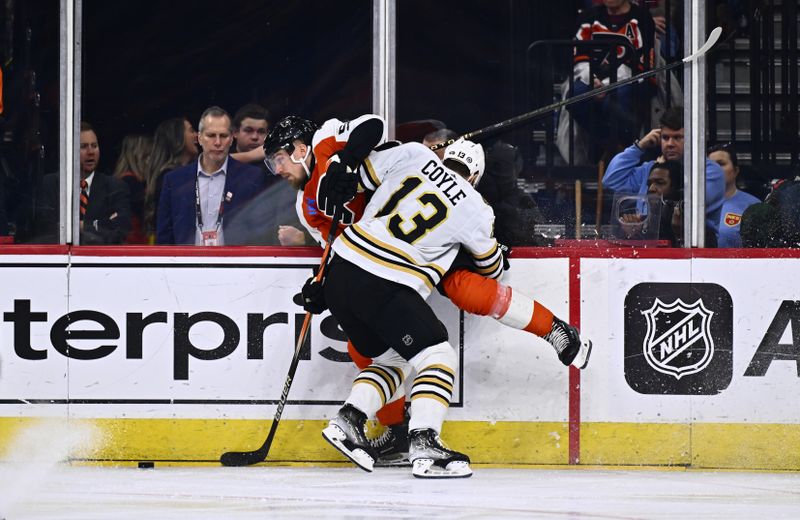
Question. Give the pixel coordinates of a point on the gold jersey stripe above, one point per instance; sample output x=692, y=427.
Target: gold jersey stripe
x=495, y=267
x=384, y=375
x=486, y=256
x=433, y=381
x=370, y=239
x=375, y=385
x=430, y=395
x=373, y=177
x=378, y=260
x=444, y=368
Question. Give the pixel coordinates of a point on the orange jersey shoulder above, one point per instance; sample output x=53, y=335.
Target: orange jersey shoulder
x=323, y=151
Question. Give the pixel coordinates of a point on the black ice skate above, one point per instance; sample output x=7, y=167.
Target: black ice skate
x=430, y=459
x=346, y=433
x=567, y=342
x=392, y=446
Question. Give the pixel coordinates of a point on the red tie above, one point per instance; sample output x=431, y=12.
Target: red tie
x=84, y=197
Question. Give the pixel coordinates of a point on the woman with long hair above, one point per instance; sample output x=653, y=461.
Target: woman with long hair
x=133, y=168
x=174, y=145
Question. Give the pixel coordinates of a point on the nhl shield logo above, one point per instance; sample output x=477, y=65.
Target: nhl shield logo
x=678, y=340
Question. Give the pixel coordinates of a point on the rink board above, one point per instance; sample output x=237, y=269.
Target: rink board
x=180, y=358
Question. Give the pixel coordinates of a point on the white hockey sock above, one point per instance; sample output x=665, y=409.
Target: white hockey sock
x=520, y=308
x=433, y=387
x=374, y=387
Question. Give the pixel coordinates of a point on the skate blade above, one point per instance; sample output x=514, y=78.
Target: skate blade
x=334, y=435
x=582, y=359
x=425, y=468
x=396, y=461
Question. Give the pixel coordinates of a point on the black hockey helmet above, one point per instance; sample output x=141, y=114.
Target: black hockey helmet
x=286, y=131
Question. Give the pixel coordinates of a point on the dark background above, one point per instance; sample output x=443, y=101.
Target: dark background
x=143, y=62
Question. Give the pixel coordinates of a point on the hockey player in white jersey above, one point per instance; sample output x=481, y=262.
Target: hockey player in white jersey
x=384, y=267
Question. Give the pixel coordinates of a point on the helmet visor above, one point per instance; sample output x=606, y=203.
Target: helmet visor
x=277, y=160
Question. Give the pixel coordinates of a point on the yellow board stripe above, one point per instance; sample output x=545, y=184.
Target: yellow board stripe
x=608, y=445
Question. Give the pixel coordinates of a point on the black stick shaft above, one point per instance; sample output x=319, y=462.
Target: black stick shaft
x=248, y=458
x=539, y=112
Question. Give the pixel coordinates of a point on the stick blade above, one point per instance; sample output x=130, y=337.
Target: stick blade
x=242, y=458
x=710, y=42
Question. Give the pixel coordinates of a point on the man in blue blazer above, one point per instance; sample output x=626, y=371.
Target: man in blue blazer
x=200, y=201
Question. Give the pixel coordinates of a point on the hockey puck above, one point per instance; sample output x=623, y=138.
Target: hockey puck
x=147, y=465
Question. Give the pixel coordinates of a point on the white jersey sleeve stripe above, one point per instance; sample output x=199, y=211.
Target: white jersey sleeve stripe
x=492, y=252
x=369, y=178
x=493, y=270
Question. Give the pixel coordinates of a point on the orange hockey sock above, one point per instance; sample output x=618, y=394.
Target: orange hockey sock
x=392, y=413
x=541, y=321
x=360, y=360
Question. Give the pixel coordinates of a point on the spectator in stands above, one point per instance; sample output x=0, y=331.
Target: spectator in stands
x=736, y=201
x=626, y=172
x=516, y=213
x=664, y=202
x=271, y=218
x=250, y=128
x=174, y=145
x=437, y=137
x=104, y=206
x=199, y=201
x=133, y=169
x=614, y=118
x=666, y=180
x=666, y=25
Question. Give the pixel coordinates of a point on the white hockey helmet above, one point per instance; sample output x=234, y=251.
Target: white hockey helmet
x=467, y=159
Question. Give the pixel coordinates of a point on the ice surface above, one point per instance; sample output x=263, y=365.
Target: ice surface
x=166, y=493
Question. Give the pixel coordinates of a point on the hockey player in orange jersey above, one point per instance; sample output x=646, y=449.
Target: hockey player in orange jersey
x=320, y=162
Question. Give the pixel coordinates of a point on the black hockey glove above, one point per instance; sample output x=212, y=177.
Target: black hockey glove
x=506, y=252
x=313, y=297
x=338, y=186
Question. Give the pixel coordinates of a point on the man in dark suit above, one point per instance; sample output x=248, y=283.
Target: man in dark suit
x=200, y=202
x=104, y=205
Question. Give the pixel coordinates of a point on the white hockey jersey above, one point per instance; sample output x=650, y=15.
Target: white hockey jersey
x=418, y=217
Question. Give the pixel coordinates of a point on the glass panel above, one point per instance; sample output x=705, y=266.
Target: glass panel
x=493, y=61
x=753, y=121
x=29, y=121
x=147, y=82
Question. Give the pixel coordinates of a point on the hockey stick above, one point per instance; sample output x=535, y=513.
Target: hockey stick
x=539, y=112
x=248, y=458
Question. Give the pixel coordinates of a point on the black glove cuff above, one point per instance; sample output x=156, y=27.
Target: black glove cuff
x=348, y=159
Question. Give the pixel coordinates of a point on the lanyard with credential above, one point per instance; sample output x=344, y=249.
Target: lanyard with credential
x=199, y=211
